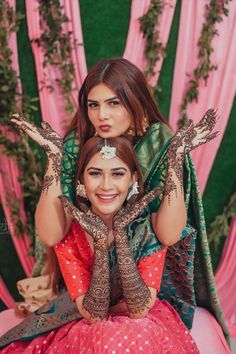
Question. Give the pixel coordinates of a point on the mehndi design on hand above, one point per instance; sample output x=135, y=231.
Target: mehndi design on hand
x=49, y=140
x=135, y=290
x=130, y=212
x=89, y=221
x=188, y=138
x=97, y=299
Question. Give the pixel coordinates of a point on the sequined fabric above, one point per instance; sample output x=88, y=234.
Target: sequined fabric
x=160, y=332
x=76, y=260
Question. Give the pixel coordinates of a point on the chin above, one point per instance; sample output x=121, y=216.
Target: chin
x=108, y=212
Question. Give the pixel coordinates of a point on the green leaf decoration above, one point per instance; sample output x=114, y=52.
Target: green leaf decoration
x=214, y=13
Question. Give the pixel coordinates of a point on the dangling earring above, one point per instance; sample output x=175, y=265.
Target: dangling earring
x=133, y=190
x=145, y=124
x=131, y=131
x=81, y=191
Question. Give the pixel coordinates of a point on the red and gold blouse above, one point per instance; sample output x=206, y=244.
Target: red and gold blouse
x=76, y=259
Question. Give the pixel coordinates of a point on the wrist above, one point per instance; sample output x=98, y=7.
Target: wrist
x=52, y=154
x=101, y=245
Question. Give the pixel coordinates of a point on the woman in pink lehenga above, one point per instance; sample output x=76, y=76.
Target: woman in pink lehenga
x=113, y=279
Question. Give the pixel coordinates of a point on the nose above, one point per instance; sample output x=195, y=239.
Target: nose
x=106, y=183
x=104, y=113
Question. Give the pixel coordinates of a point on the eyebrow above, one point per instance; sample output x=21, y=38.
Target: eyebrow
x=112, y=169
x=107, y=100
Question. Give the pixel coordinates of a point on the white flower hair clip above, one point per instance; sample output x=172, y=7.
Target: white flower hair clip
x=108, y=152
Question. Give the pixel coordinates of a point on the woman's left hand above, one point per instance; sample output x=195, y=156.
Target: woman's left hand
x=130, y=212
x=191, y=136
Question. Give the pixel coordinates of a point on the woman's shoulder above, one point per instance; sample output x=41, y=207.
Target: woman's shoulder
x=71, y=142
x=153, y=141
x=160, y=129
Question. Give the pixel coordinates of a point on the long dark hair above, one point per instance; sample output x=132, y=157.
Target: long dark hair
x=130, y=86
x=124, y=151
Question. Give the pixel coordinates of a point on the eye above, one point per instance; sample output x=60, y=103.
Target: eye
x=94, y=173
x=92, y=104
x=118, y=174
x=114, y=103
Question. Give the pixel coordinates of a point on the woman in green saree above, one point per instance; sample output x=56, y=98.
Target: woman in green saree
x=115, y=100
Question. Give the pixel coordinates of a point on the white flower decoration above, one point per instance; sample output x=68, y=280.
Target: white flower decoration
x=108, y=152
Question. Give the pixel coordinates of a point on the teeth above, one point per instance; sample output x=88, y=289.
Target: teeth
x=107, y=197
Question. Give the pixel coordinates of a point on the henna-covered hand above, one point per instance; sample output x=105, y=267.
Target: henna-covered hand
x=191, y=136
x=97, y=299
x=89, y=221
x=135, y=290
x=188, y=138
x=46, y=137
x=130, y=212
x=49, y=140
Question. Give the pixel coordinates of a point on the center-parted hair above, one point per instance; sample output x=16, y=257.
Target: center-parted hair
x=130, y=86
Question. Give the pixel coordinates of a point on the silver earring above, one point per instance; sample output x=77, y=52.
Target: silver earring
x=81, y=191
x=133, y=190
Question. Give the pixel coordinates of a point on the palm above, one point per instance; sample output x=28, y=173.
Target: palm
x=89, y=221
x=189, y=136
x=45, y=137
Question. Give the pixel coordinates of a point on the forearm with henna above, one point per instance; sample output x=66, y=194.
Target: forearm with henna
x=188, y=138
x=53, y=172
x=171, y=217
x=97, y=299
x=174, y=179
x=135, y=291
x=50, y=225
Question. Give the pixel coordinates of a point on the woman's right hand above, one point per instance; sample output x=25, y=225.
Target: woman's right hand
x=89, y=221
x=46, y=137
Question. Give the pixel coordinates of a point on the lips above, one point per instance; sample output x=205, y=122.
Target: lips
x=106, y=198
x=105, y=127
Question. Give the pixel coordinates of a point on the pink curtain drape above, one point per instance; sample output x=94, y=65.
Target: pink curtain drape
x=5, y=295
x=219, y=92
x=220, y=89
x=225, y=279
x=52, y=103
x=53, y=111
x=9, y=181
x=10, y=188
x=135, y=44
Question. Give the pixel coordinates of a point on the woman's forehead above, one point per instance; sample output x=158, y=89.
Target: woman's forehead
x=98, y=161
x=101, y=92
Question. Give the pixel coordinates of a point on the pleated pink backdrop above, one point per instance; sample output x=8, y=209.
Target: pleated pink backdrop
x=219, y=92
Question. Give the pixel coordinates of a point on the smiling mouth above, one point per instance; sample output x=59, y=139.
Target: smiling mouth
x=107, y=198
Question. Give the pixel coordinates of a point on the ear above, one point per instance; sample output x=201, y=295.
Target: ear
x=134, y=177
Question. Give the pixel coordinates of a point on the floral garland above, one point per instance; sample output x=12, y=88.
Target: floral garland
x=154, y=49
x=219, y=228
x=25, y=155
x=58, y=45
x=214, y=13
